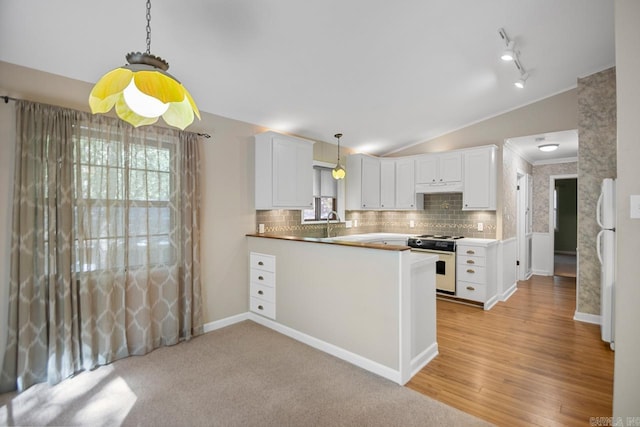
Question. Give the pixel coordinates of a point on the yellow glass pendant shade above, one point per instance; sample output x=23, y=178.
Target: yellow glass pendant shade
x=338, y=172
x=142, y=91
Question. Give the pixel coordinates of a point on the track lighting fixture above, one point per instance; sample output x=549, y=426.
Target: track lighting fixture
x=510, y=53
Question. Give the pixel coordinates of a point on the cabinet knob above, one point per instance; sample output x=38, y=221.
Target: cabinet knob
x=471, y=288
x=470, y=261
x=260, y=263
x=440, y=179
x=260, y=278
x=470, y=271
x=260, y=293
x=471, y=252
x=260, y=307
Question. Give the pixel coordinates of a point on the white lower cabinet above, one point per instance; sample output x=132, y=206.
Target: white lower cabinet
x=476, y=278
x=262, y=284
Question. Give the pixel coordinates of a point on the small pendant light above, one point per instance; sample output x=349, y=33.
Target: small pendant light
x=142, y=91
x=338, y=172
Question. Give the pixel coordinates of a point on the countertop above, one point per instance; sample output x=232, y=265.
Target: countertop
x=342, y=240
x=368, y=240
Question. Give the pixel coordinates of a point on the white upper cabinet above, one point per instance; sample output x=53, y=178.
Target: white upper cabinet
x=363, y=182
x=375, y=183
x=387, y=183
x=440, y=172
x=283, y=172
x=406, y=197
x=479, y=179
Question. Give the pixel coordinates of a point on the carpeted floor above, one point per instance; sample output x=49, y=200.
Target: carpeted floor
x=242, y=375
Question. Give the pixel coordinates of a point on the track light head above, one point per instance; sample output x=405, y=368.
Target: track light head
x=508, y=54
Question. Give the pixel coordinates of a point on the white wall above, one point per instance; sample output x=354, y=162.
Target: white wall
x=508, y=268
x=542, y=257
x=626, y=386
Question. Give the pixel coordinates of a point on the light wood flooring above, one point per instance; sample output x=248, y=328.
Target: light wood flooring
x=524, y=362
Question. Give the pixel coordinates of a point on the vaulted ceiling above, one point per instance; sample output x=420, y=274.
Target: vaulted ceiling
x=385, y=74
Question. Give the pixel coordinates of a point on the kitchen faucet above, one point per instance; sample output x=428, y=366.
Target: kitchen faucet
x=329, y=218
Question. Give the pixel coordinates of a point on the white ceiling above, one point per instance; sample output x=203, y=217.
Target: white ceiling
x=387, y=74
x=527, y=147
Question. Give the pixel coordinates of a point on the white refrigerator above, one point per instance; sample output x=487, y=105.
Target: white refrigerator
x=606, y=249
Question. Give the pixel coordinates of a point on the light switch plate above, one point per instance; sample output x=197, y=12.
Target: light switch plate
x=634, y=204
x=355, y=222
x=480, y=226
x=347, y=224
x=412, y=223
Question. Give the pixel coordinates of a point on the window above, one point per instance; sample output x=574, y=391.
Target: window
x=125, y=196
x=325, y=190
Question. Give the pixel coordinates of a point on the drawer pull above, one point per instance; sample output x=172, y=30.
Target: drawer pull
x=470, y=271
x=471, y=252
x=471, y=288
x=260, y=307
x=260, y=263
x=470, y=261
x=260, y=293
x=260, y=278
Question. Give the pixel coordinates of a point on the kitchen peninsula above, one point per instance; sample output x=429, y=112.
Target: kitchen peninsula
x=371, y=304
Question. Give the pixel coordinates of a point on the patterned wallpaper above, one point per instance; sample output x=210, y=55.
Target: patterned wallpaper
x=442, y=214
x=541, y=176
x=596, y=161
x=511, y=164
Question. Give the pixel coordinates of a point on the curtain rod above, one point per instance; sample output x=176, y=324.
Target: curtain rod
x=10, y=98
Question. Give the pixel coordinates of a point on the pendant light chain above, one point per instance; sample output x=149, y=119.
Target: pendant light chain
x=148, y=26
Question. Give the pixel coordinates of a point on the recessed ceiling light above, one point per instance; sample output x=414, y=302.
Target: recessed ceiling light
x=548, y=147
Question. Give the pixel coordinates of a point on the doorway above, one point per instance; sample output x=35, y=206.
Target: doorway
x=563, y=224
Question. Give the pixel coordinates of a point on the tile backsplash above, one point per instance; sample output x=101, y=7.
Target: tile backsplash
x=442, y=214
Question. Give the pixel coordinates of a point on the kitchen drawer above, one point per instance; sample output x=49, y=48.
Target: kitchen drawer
x=263, y=292
x=262, y=277
x=477, y=261
x=267, y=309
x=466, y=273
x=471, y=250
x=471, y=291
x=262, y=262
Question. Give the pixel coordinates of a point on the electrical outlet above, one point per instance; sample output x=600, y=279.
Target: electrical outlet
x=355, y=223
x=412, y=223
x=260, y=228
x=347, y=224
x=480, y=226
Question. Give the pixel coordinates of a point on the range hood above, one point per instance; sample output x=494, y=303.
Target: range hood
x=440, y=187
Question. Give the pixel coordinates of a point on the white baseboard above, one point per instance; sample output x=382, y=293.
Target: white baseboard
x=587, y=318
x=492, y=301
x=421, y=360
x=228, y=321
x=512, y=290
x=542, y=273
x=340, y=353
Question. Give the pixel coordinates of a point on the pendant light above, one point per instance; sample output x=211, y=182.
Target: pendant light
x=338, y=172
x=142, y=91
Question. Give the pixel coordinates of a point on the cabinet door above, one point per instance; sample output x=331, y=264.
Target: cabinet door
x=405, y=184
x=426, y=169
x=292, y=173
x=387, y=184
x=450, y=167
x=370, y=183
x=479, y=180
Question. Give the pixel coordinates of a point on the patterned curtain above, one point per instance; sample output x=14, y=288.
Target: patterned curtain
x=105, y=246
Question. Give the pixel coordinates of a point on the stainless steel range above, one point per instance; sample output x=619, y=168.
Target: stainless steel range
x=445, y=248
